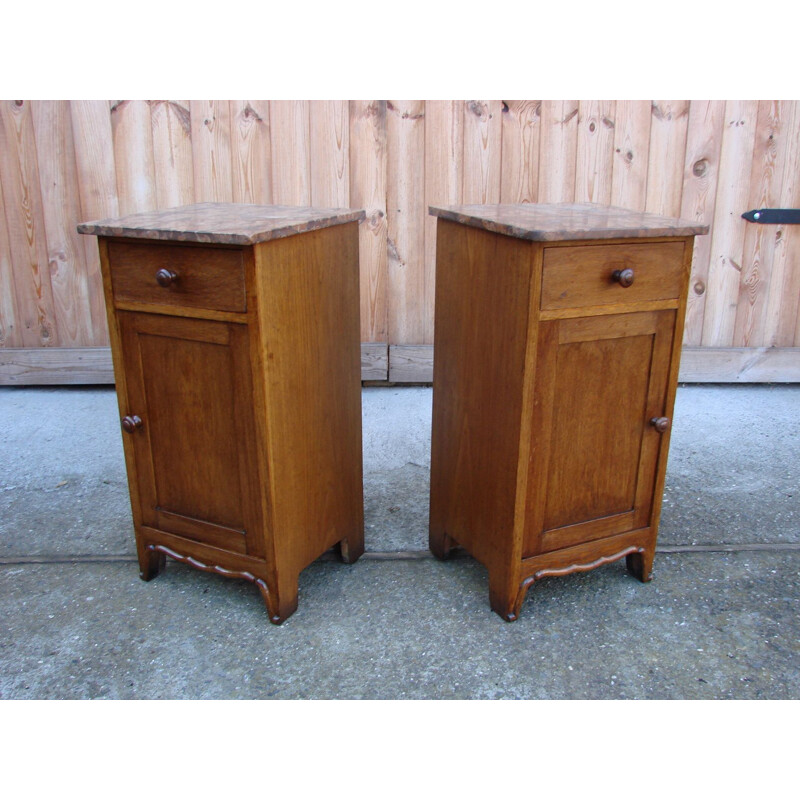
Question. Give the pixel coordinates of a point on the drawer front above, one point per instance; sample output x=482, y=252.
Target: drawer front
x=195, y=277
x=574, y=277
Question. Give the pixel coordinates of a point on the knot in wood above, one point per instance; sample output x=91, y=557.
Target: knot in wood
x=700, y=168
x=478, y=109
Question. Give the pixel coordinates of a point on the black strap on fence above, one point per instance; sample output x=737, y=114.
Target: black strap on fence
x=773, y=216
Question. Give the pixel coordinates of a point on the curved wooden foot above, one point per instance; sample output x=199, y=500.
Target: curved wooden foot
x=506, y=600
x=441, y=545
x=280, y=597
x=151, y=563
x=278, y=612
x=640, y=565
x=350, y=550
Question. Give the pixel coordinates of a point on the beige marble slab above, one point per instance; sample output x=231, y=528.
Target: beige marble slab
x=222, y=223
x=565, y=221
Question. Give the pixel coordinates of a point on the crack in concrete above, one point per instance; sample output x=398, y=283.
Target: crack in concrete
x=400, y=555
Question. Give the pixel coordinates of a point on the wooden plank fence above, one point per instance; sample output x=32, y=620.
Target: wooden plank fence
x=62, y=162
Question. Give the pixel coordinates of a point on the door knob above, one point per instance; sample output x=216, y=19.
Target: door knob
x=661, y=424
x=166, y=277
x=624, y=277
x=131, y=424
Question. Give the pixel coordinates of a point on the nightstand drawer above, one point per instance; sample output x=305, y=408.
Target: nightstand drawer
x=597, y=275
x=178, y=275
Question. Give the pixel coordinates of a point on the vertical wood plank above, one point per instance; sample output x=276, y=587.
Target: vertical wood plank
x=782, y=317
x=132, y=132
x=172, y=152
x=483, y=127
x=727, y=242
x=631, y=154
x=211, y=151
x=94, y=158
x=558, y=151
x=700, y=174
x=329, y=134
x=594, y=162
x=769, y=155
x=97, y=187
x=519, y=182
x=444, y=163
x=252, y=151
x=61, y=211
x=10, y=334
x=291, y=152
x=19, y=175
x=368, y=191
x=669, y=124
x=405, y=208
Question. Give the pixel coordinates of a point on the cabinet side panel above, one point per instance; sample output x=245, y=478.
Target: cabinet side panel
x=672, y=385
x=482, y=296
x=308, y=310
x=115, y=338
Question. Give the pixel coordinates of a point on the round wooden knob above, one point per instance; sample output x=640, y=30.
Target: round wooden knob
x=131, y=424
x=661, y=424
x=166, y=277
x=624, y=277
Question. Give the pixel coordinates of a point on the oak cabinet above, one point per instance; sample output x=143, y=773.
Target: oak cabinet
x=235, y=338
x=556, y=350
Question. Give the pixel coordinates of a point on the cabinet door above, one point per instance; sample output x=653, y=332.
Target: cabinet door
x=189, y=382
x=599, y=382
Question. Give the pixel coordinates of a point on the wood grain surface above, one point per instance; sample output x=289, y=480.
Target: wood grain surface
x=251, y=151
x=74, y=293
x=24, y=214
x=522, y=130
x=237, y=463
x=550, y=435
x=368, y=191
x=704, y=161
x=593, y=169
x=211, y=151
x=701, y=172
x=172, y=153
x=406, y=211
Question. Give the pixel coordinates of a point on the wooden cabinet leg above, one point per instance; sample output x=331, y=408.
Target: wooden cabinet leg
x=640, y=565
x=280, y=598
x=506, y=596
x=151, y=562
x=351, y=548
x=440, y=544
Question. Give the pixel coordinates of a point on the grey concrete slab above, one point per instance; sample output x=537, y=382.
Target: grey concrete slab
x=719, y=625
x=397, y=467
x=708, y=626
x=732, y=476
x=733, y=473
x=63, y=488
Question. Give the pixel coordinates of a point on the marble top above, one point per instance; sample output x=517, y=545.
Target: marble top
x=222, y=223
x=564, y=221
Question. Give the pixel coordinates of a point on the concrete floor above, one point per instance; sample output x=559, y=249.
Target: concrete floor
x=721, y=619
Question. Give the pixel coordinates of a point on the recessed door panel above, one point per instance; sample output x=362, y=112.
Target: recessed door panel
x=193, y=450
x=597, y=428
x=192, y=428
x=600, y=381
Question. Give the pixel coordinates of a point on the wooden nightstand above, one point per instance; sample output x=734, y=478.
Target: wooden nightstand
x=235, y=339
x=556, y=346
